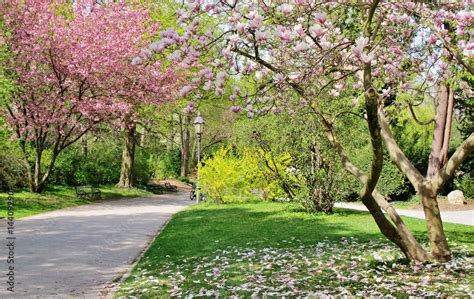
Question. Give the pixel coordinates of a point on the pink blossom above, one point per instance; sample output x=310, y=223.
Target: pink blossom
x=261, y=36
x=284, y=34
x=279, y=78
x=235, y=109
x=185, y=91
x=298, y=30
x=206, y=73
x=432, y=39
x=300, y=2
x=285, y=9
x=276, y=110
x=367, y=58
x=302, y=46
x=321, y=18
x=235, y=18
x=316, y=30
x=256, y=22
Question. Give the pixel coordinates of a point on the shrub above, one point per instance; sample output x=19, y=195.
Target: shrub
x=465, y=183
x=12, y=171
x=227, y=177
x=100, y=166
x=143, y=169
x=224, y=179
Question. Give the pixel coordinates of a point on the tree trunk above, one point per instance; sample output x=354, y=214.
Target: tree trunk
x=38, y=180
x=438, y=243
x=128, y=159
x=85, y=148
x=438, y=158
x=448, y=127
x=396, y=230
x=399, y=234
x=442, y=130
x=185, y=146
x=35, y=185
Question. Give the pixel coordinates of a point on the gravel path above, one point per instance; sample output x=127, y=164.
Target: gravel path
x=460, y=217
x=80, y=251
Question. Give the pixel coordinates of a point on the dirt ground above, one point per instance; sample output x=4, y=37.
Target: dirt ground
x=181, y=185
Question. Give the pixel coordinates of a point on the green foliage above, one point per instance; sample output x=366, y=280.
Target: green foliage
x=392, y=182
x=12, y=171
x=7, y=85
x=144, y=167
x=185, y=180
x=414, y=139
x=465, y=183
x=169, y=164
x=100, y=165
x=228, y=177
x=316, y=178
x=225, y=177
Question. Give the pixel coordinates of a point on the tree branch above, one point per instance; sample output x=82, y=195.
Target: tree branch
x=462, y=152
x=396, y=154
x=423, y=123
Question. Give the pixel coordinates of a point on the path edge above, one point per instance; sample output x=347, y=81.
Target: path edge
x=111, y=289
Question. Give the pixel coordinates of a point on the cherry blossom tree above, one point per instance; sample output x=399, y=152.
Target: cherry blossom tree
x=76, y=66
x=319, y=52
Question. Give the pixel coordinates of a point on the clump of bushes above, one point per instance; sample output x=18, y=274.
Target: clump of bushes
x=246, y=176
x=99, y=165
x=465, y=183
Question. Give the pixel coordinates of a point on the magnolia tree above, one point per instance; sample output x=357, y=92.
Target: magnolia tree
x=320, y=52
x=76, y=66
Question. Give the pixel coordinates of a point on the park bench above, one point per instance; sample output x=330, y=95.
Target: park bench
x=170, y=187
x=154, y=188
x=88, y=192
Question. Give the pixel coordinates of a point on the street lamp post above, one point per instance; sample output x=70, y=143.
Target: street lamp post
x=198, y=126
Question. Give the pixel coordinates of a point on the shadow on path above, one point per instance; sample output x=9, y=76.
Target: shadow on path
x=79, y=251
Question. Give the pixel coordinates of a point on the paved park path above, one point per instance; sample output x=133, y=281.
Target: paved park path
x=80, y=251
x=460, y=217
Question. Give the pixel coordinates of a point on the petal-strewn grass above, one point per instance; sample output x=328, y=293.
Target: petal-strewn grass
x=269, y=249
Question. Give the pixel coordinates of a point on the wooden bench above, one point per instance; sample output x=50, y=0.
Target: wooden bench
x=87, y=192
x=154, y=188
x=170, y=187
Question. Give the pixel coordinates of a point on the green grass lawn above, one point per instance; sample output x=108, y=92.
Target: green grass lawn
x=274, y=249
x=58, y=197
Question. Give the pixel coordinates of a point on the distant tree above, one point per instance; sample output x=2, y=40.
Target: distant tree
x=75, y=66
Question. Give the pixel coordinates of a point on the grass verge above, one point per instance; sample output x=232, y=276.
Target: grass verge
x=273, y=249
x=58, y=197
